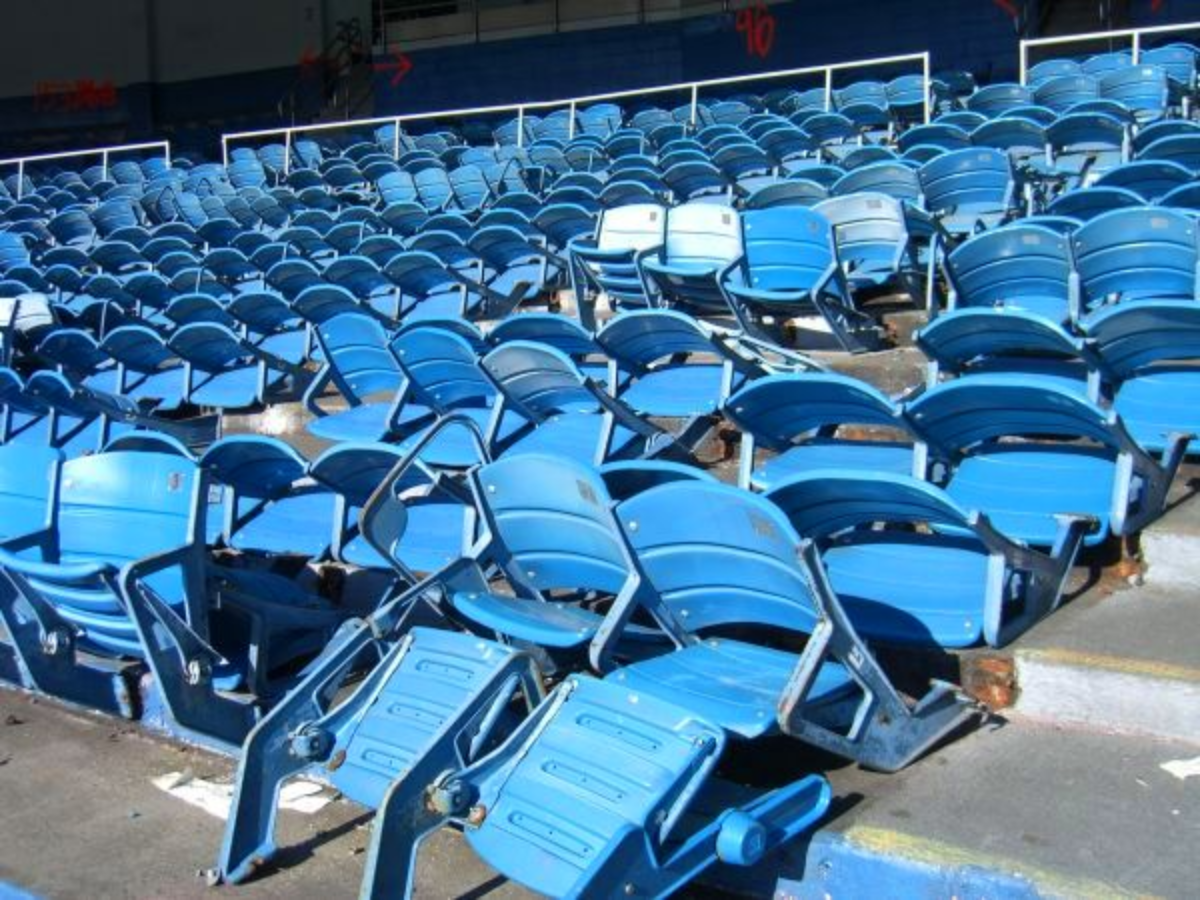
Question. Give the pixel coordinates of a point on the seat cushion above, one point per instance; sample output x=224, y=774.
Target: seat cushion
x=678, y=391
x=574, y=436
x=863, y=456
x=300, y=525
x=1158, y=403
x=729, y=683
x=1022, y=487
x=925, y=590
x=562, y=625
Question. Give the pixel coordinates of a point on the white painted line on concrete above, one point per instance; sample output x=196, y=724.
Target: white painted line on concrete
x=301, y=796
x=1182, y=768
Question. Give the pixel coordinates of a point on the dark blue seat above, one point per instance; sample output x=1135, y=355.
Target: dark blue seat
x=798, y=417
x=790, y=266
x=559, y=412
x=911, y=566
x=1148, y=350
x=1023, y=267
x=360, y=366
x=1143, y=253
x=1082, y=463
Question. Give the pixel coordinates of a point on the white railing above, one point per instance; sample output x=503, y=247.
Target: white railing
x=691, y=88
x=1133, y=35
x=103, y=152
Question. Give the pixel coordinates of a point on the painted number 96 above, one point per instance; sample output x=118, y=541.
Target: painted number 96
x=758, y=25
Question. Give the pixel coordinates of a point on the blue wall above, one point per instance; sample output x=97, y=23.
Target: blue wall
x=974, y=35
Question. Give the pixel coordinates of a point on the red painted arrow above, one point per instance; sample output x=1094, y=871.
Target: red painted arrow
x=399, y=65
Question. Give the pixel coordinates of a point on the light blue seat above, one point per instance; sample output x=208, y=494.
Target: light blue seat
x=798, y=418
x=1082, y=463
x=701, y=240
x=911, y=566
x=1148, y=350
x=608, y=262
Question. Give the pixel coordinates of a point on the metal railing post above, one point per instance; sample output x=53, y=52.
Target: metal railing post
x=104, y=165
x=925, y=66
x=520, y=126
x=828, y=88
x=396, y=139
x=695, y=103
x=571, y=124
x=167, y=153
x=287, y=152
x=1024, y=60
x=1137, y=47
x=21, y=180
x=225, y=151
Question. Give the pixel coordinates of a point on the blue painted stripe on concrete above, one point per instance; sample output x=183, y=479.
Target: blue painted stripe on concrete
x=835, y=866
x=12, y=892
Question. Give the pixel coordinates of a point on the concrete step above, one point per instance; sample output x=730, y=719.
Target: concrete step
x=1171, y=546
x=1012, y=811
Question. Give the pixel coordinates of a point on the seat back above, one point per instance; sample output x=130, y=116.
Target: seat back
x=967, y=178
x=553, y=521
x=115, y=508
x=718, y=556
x=869, y=229
x=1130, y=337
x=538, y=379
x=702, y=234
x=778, y=410
x=894, y=179
x=639, y=338
x=355, y=347
x=955, y=416
x=1000, y=267
x=638, y=226
x=443, y=367
x=787, y=248
x=829, y=502
x=1137, y=253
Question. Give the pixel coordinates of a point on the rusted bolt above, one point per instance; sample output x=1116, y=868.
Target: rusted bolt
x=477, y=815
